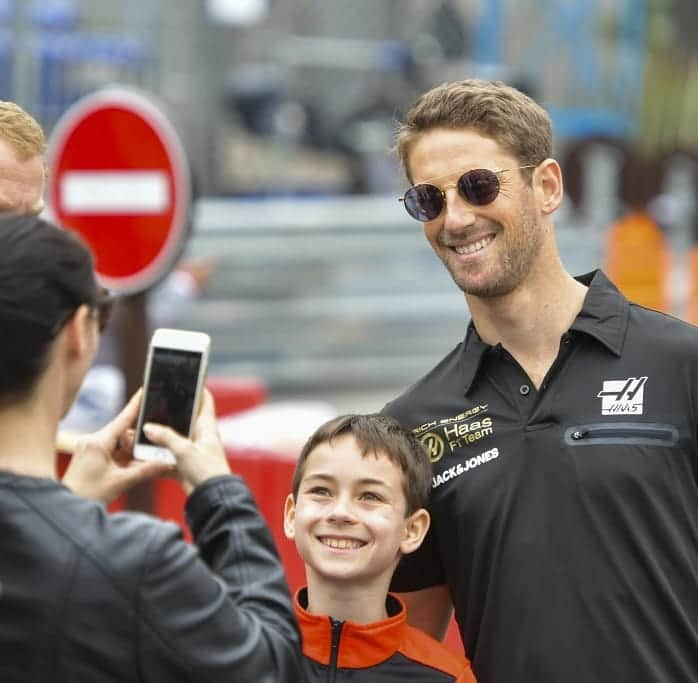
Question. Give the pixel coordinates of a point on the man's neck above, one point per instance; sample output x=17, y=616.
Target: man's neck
x=529, y=321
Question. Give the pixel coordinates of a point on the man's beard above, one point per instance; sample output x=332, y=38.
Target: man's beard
x=519, y=252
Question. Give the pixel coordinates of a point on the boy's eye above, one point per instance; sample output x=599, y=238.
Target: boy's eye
x=370, y=495
x=319, y=491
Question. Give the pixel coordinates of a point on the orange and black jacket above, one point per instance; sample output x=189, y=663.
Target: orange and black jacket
x=381, y=652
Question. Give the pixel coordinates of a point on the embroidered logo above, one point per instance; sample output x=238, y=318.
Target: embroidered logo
x=433, y=445
x=462, y=467
x=622, y=396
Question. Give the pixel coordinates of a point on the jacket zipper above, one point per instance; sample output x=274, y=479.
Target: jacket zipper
x=334, y=649
x=636, y=433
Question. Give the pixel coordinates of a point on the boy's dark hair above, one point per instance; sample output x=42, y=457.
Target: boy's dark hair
x=377, y=434
x=45, y=275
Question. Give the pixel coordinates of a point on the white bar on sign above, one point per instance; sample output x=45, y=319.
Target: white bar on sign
x=115, y=192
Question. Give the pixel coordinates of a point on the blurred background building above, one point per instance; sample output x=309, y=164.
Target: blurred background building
x=323, y=285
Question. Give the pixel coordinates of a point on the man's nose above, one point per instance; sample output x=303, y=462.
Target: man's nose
x=458, y=213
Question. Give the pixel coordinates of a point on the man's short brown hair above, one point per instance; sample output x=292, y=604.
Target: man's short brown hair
x=492, y=108
x=21, y=131
x=375, y=435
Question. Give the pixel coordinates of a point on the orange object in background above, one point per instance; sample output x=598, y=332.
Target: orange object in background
x=638, y=260
x=692, y=305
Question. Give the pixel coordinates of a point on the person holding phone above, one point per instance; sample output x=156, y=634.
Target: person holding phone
x=88, y=596
x=562, y=429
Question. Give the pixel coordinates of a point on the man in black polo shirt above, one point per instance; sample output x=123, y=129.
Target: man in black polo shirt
x=562, y=429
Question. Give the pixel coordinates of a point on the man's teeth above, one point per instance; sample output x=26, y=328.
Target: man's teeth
x=472, y=248
x=342, y=543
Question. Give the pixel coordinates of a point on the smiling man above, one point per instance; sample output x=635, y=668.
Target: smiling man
x=561, y=430
x=22, y=166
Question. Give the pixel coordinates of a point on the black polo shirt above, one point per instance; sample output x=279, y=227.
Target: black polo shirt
x=565, y=520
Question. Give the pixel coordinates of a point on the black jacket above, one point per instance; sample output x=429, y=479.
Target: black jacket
x=86, y=596
x=387, y=651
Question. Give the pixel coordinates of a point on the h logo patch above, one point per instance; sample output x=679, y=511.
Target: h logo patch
x=622, y=396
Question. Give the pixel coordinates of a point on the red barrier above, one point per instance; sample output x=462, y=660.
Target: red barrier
x=268, y=476
x=234, y=394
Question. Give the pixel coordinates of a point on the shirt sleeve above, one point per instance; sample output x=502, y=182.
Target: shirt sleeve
x=222, y=613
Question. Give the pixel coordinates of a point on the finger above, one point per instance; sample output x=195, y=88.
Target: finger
x=164, y=436
x=124, y=447
x=206, y=419
x=126, y=419
x=108, y=436
x=208, y=404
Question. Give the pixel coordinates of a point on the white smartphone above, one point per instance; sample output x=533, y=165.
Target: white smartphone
x=175, y=371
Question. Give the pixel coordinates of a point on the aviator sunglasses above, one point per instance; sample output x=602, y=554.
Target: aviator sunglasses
x=479, y=187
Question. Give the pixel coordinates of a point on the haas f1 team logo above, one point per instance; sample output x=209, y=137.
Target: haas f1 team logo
x=623, y=396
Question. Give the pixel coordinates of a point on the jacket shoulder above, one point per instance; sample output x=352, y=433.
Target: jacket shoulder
x=117, y=544
x=424, y=649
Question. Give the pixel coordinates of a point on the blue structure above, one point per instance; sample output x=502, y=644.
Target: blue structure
x=601, y=101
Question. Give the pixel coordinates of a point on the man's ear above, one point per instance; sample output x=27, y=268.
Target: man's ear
x=548, y=179
x=416, y=527
x=290, y=517
x=78, y=330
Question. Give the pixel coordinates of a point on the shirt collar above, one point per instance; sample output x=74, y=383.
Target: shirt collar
x=605, y=312
x=360, y=645
x=604, y=316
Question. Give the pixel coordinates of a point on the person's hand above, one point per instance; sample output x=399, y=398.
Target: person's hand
x=199, y=458
x=102, y=465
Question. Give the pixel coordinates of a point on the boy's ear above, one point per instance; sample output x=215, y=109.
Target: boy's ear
x=416, y=527
x=290, y=517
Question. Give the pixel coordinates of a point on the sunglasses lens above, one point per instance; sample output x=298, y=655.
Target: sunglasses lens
x=479, y=186
x=424, y=202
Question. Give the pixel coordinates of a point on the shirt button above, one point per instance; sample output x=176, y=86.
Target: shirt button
x=524, y=389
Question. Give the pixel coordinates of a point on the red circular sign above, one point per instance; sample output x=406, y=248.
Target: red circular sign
x=119, y=177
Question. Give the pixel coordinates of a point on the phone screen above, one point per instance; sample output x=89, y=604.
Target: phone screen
x=171, y=389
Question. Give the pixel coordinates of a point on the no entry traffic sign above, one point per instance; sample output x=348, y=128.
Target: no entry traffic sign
x=118, y=175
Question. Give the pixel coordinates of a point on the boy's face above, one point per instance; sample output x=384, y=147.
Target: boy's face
x=348, y=520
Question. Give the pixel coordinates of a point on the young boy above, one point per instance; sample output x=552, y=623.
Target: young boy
x=359, y=492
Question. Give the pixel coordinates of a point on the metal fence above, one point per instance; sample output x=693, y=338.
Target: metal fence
x=327, y=294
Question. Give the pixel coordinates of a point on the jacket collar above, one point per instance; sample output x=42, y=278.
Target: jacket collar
x=604, y=316
x=360, y=645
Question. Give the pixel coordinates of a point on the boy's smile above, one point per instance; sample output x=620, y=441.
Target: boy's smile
x=349, y=520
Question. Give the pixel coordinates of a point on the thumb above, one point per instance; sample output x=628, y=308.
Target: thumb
x=167, y=437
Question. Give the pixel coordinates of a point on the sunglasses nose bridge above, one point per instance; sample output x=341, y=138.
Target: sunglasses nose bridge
x=457, y=211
